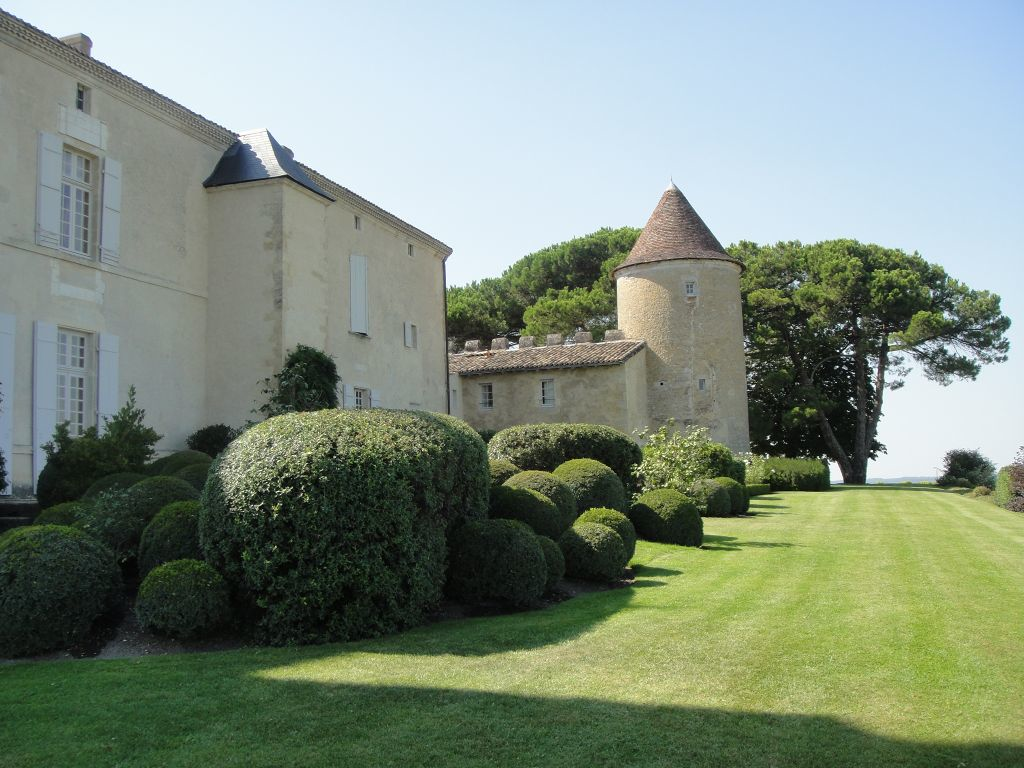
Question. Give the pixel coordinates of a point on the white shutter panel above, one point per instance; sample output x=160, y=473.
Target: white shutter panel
x=107, y=373
x=110, y=232
x=408, y=333
x=7, y=390
x=348, y=396
x=44, y=392
x=51, y=151
x=358, y=304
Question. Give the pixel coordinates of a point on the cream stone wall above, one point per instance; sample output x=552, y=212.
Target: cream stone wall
x=690, y=338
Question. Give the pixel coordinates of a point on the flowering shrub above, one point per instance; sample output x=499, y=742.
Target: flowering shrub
x=673, y=459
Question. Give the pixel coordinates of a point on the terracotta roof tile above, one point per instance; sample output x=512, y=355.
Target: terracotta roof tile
x=544, y=358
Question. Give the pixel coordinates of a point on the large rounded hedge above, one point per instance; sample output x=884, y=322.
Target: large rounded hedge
x=172, y=535
x=545, y=446
x=55, y=582
x=501, y=470
x=194, y=474
x=593, y=552
x=184, y=599
x=615, y=520
x=549, y=485
x=496, y=560
x=530, y=507
x=554, y=560
x=593, y=484
x=738, y=501
x=666, y=515
x=711, y=498
x=116, y=481
x=333, y=522
x=168, y=465
x=65, y=513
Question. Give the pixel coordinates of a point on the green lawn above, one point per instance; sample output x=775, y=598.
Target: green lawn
x=869, y=627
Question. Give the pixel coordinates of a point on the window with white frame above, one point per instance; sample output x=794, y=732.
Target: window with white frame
x=547, y=392
x=486, y=396
x=77, y=219
x=76, y=373
x=702, y=385
x=690, y=287
x=361, y=398
x=83, y=98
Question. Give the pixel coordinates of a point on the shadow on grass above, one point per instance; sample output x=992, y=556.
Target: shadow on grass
x=715, y=542
x=880, y=487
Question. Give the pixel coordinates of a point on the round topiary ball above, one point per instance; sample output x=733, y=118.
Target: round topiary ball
x=332, y=523
x=55, y=582
x=497, y=560
x=501, y=470
x=615, y=520
x=528, y=506
x=168, y=465
x=593, y=552
x=194, y=474
x=183, y=599
x=172, y=535
x=738, y=501
x=712, y=499
x=116, y=481
x=549, y=485
x=592, y=483
x=65, y=513
x=668, y=516
x=555, y=561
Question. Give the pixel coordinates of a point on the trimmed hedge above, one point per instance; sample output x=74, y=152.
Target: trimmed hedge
x=211, y=439
x=496, y=560
x=332, y=523
x=183, y=599
x=555, y=561
x=556, y=490
x=615, y=520
x=784, y=474
x=168, y=465
x=528, y=506
x=593, y=484
x=758, y=489
x=666, y=515
x=194, y=474
x=1004, y=487
x=65, y=513
x=55, y=582
x=545, y=446
x=593, y=552
x=172, y=535
x=738, y=501
x=501, y=470
x=712, y=499
x=118, y=481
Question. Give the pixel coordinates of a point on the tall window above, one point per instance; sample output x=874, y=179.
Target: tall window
x=82, y=98
x=76, y=193
x=75, y=375
x=487, y=396
x=547, y=392
x=361, y=397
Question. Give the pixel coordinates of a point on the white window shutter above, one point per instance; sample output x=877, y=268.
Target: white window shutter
x=51, y=150
x=44, y=392
x=358, y=303
x=408, y=333
x=7, y=390
x=348, y=396
x=107, y=400
x=110, y=232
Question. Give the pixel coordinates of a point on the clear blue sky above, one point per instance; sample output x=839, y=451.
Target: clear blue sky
x=504, y=127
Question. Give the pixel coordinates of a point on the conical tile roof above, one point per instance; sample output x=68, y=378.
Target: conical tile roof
x=675, y=231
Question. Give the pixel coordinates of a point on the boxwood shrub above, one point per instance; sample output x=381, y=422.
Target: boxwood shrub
x=183, y=599
x=593, y=552
x=332, y=523
x=593, y=484
x=496, y=560
x=738, y=501
x=55, y=583
x=194, y=474
x=211, y=439
x=528, y=506
x=501, y=470
x=545, y=446
x=168, y=465
x=712, y=499
x=556, y=490
x=669, y=516
x=65, y=513
x=758, y=489
x=117, y=481
x=615, y=520
x=172, y=535
x=555, y=561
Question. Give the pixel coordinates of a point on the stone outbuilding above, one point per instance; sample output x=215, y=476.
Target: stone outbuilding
x=678, y=353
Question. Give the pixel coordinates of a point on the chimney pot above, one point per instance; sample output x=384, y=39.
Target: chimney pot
x=499, y=343
x=80, y=42
x=473, y=345
x=526, y=342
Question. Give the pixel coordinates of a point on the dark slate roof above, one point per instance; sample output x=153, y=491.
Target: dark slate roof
x=675, y=231
x=543, y=358
x=255, y=156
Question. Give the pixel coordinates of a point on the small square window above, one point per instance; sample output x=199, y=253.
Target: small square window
x=358, y=222
x=691, y=287
x=547, y=393
x=486, y=396
x=410, y=249
x=82, y=98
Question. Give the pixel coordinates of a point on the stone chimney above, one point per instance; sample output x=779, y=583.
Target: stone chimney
x=526, y=342
x=499, y=343
x=583, y=337
x=554, y=340
x=615, y=335
x=81, y=43
x=473, y=345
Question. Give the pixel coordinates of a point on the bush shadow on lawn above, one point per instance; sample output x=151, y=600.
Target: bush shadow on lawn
x=715, y=542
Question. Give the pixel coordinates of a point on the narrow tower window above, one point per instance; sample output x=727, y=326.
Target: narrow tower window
x=82, y=98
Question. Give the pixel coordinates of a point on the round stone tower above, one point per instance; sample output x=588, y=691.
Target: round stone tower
x=679, y=291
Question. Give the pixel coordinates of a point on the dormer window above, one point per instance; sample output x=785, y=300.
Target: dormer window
x=83, y=97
